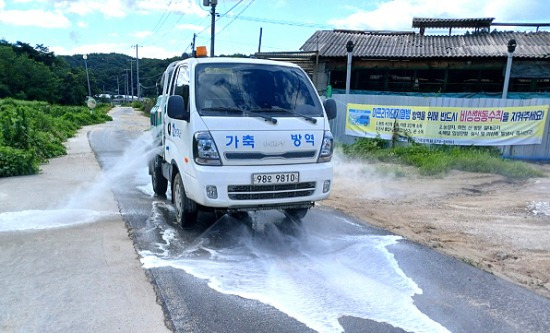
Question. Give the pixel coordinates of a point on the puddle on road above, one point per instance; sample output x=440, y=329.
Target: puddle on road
x=315, y=274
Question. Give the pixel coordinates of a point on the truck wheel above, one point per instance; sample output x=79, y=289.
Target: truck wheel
x=186, y=209
x=160, y=184
x=296, y=213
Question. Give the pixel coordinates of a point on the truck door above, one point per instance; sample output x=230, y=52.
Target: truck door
x=178, y=133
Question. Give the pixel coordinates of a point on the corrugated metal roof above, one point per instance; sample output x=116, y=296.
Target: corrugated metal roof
x=302, y=59
x=421, y=22
x=332, y=43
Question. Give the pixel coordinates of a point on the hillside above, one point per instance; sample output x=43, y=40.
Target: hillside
x=105, y=68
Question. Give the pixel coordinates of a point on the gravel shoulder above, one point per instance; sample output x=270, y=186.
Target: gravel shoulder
x=67, y=262
x=496, y=224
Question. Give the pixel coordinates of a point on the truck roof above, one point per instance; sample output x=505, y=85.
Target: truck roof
x=193, y=61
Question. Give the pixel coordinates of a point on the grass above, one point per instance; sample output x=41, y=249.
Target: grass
x=391, y=171
x=438, y=160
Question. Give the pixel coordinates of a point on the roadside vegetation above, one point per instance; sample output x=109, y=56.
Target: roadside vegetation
x=146, y=105
x=439, y=159
x=33, y=132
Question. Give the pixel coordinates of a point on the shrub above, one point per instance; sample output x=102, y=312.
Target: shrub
x=137, y=105
x=15, y=162
x=148, y=105
x=32, y=132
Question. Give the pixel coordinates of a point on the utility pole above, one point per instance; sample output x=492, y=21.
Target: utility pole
x=511, y=48
x=349, y=48
x=131, y=79
x=137, y=73
x=213, y=4
x=260, y=41
x=193, y=46
x=316, y=72
x=117, y=86
x=126, y=91
x=85, y=57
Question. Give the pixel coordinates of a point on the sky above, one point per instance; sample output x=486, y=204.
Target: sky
x=165, y=28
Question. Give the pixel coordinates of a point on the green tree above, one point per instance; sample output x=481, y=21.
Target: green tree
x=73, y=90
x=24, y=78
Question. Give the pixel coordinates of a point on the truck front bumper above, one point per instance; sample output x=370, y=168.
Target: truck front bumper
x=232, y=186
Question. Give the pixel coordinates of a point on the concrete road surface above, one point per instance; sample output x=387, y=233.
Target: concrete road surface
x=66, y=261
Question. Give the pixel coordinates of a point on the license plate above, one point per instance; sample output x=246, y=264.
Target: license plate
x=276, y=178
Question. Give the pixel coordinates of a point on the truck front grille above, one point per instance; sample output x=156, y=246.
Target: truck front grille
x=265, y=192
x=261, y=156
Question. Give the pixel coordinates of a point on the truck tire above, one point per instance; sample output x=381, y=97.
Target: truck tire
x=160, y=184
x=186, y=209
x=296, y=213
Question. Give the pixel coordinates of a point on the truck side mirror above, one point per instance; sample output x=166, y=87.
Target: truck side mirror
x=176, y=108
x=330, y=108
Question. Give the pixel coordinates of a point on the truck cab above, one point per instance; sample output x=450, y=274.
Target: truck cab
x=241, y=134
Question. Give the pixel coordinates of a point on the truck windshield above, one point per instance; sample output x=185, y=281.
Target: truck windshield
x=224, y=89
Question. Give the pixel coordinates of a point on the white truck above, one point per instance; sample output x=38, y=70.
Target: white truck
x=240, y=134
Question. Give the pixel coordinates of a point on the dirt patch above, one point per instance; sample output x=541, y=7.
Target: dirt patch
x=491, y=222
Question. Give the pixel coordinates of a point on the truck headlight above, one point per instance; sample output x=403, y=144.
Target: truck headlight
x=327, y=147
x=205, y=151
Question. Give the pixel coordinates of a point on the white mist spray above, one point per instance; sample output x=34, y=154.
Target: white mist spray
x=123, y=170
x=93, y=200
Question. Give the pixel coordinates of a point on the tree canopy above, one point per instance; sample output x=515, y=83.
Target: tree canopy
x=35, y=73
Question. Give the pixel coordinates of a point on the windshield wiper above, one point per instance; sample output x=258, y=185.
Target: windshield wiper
x=308, y=118
x=245, y=112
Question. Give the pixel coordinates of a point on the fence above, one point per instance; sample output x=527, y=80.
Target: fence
x=540, y=152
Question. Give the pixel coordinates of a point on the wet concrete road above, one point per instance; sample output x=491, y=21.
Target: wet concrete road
x=266, y=273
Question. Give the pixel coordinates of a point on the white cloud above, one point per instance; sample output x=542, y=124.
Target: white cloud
x=110, y=8
x=279, y=4
x=157, y=52
x=191, y=27
x=398, y=14
x=92, y=48
x=144, y=52
x=83, y=24
x=152, y=5
x=181, y=7
x=2, y=4
x=35, y=18
x=142, y=34
x=123, y=8
x=190, y=7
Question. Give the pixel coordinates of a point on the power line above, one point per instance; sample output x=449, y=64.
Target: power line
x=284, y=22
x=169, y=30
x=236, y=16
x=200, y=6
x=159, y=24
x=174, y=25
x=223, y=15
x=230, y=9
x=145, y=87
